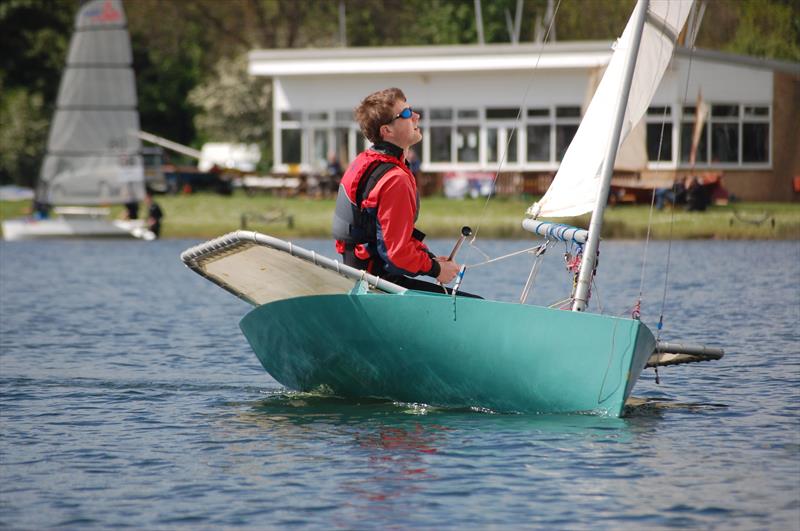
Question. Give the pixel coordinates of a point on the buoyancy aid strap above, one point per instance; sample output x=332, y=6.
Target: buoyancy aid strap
x=370, y=178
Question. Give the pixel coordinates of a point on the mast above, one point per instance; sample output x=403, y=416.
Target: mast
x=595, y=226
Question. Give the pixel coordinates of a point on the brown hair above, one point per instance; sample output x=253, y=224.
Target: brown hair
x=376, y=110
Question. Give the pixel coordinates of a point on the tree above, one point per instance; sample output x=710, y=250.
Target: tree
x=767, y=30
x=234, y=107
x=23, y=135
x=33, y=38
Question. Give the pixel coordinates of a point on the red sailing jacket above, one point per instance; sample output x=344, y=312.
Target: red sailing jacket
x=394, y=203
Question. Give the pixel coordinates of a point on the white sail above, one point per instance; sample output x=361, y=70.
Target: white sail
x=575, y=187
x=93, y=153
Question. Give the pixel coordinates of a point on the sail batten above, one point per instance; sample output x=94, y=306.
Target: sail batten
x=93, y=152
x=575, y=188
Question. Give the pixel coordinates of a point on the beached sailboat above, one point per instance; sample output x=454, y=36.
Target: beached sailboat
x=93, y=154
x=321, y=325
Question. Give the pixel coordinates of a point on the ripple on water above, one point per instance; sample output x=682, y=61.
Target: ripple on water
x=128, y=397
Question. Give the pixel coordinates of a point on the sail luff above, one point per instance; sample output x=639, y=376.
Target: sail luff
x=588, y=261
x=574, y=190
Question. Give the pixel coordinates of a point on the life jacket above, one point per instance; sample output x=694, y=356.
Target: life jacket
x=354, y=228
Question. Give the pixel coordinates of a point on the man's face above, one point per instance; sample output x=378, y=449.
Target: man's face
x=402, y=132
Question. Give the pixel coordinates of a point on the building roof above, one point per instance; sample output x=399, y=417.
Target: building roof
x=465, y=58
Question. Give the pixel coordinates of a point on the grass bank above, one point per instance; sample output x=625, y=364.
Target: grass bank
x=209, y=215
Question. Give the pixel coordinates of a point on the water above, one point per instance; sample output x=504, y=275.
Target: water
x=130, y=398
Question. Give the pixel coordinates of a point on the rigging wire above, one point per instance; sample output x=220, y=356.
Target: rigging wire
x=534, y=249
x=672, y=216
x=660, y=325
x=513, y=135
x=636, y=313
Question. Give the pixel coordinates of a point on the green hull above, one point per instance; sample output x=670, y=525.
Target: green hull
x=431, y=349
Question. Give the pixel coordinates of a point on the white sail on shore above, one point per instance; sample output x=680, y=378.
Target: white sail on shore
x=575, y=187
x=93, y=154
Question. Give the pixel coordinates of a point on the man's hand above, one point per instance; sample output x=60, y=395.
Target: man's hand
x=449, y=269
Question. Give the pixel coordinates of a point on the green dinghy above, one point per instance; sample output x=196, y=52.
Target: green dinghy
x=320, y=325
x=461, y=352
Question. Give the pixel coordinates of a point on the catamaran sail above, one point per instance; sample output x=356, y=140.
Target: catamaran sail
x=93, y=153
x=575, y=188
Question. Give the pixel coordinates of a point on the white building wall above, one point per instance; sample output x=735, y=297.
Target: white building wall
x=718, y=82
x=471, y=90
x=550, y=87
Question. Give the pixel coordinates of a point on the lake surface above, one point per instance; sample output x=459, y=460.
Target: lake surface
x=129, y=397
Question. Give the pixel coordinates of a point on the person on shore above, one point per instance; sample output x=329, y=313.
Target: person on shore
x=378, y=202
x=676, y=195
x=40, y=210
x=131, y=211
x=333, y=174
x=696, y=196
x=154, y=215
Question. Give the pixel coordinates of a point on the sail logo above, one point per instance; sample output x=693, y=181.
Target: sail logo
x=106, y=14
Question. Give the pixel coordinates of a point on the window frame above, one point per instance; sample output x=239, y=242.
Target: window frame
x=740, y=120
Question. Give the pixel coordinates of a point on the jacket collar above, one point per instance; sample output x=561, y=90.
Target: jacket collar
x=387, y=148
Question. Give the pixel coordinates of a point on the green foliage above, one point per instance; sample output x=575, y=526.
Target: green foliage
x=23, y=135
x=768, y=30
x=34, y=35
x=592, y=19
x=233, y=107
x=184, y=48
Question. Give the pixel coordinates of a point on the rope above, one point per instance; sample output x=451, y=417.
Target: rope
x=509, y=255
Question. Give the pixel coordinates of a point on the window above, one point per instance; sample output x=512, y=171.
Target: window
x=735, y=134
x=467, y=143
x=687, y=133
x=725, y=133
x=567, y=122
x=755, y=134
x=491, y=144
x=511, y=142
x=343, y=116
x=291, y=131
x=290, y=145
x=538, y=135
x=440, y=144
x=538, y=113
x=320, y=148
x=468, y=134
x=503, y=113
x=441, y=114
x=341, y=136
x=291, y=116
x=659, y=134
x=501, y=140
x=538, y=143
x=568, y=112
x=441, y=135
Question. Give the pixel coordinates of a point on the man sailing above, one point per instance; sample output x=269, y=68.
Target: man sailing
x=378, y=201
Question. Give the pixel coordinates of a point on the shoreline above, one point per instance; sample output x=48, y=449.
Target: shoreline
x=205, y=216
